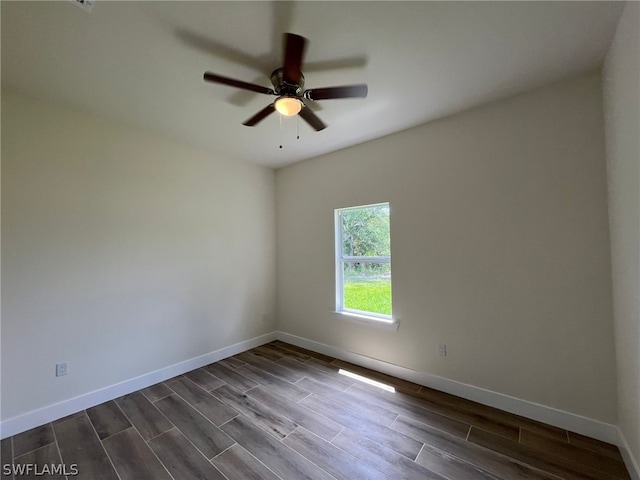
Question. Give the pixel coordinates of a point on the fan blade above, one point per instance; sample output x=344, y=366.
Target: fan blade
x=293, y=53
x=268, y=110
x=312, y=119
x=348, y=91
x=232, y=82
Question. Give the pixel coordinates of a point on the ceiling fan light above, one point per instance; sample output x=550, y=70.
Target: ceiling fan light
x=288, y=106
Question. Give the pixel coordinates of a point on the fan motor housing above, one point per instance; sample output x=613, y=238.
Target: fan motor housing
x=282, y=87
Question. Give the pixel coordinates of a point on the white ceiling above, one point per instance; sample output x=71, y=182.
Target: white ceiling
x=141, y=63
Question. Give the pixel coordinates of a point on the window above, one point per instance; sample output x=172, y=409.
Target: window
x=363, y=262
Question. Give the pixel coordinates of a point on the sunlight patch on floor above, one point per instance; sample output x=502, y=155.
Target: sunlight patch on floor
x=360, y=378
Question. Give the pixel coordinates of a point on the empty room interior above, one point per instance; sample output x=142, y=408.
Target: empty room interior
x=320, y=240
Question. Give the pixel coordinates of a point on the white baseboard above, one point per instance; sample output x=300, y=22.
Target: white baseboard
x=568, y=421
x=632, y=464
x=35, y=418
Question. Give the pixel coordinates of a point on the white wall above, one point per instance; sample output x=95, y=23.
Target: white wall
x=500, y=248
x=622, y=113
x=122, y=253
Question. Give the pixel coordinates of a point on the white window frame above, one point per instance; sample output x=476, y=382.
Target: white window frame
x=357, y=316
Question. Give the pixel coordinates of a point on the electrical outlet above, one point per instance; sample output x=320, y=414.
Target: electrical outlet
x=442, y=350
x=61, y=369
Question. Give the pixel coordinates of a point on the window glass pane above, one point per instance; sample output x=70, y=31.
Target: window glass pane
x=365, y=231
x=367, y=287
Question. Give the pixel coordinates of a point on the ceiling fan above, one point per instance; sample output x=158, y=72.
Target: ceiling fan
x=288, y=84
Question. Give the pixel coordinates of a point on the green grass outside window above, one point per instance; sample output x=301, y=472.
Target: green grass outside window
x=368, y=296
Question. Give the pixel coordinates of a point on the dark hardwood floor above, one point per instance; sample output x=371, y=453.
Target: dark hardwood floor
x=282, y=412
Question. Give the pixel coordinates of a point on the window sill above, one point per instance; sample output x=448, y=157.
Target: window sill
x=376, y=322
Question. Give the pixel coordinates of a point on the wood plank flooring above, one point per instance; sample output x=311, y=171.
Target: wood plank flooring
x=282, y=412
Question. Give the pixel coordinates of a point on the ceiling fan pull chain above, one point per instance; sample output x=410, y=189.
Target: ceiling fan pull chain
x=297, y=127
x=280, y=129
